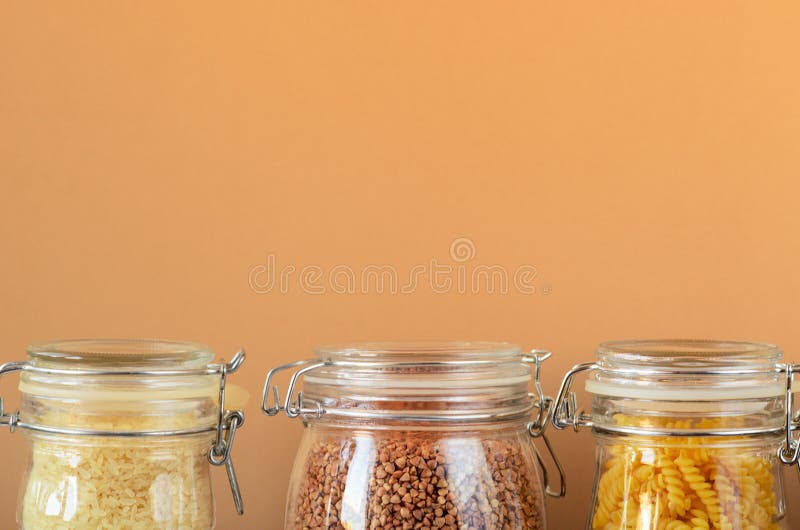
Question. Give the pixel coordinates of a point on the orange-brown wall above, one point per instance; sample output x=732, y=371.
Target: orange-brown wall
x=642, y=155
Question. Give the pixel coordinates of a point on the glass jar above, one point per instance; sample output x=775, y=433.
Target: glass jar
x=122, y=434
x=409, y=436
x=690, y=434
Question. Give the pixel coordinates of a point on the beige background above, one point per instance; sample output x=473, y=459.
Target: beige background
x=643, y=156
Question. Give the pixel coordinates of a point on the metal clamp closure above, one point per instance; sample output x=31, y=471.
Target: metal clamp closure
x=536, y=428
x=296, y=407
x=225, y=429
x=10, y=419
x=542, y=403
x=566, y=414
x=229, y=421
x=565, y=409
x=220, y=455
x=295, y=404
x=789, y=453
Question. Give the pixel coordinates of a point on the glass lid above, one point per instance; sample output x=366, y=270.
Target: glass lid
x=392, y=365
x=119, y=370
x=119, y=354
x=684, y=388
x=687, y=370
x=421, y=352
x=426, y=381
x=688, y=355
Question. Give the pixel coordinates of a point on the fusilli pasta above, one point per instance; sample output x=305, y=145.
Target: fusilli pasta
x=684, y=483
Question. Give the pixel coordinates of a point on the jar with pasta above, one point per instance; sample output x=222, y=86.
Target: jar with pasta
x=416, y=436
x=690, y=434
x=123, y=433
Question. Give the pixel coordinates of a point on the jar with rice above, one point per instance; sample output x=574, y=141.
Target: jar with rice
x=123, y=433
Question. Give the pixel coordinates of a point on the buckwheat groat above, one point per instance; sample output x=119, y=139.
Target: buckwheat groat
x=418, y=482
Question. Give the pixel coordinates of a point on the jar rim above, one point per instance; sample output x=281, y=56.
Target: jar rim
x=440, y=365
x=687, y=355
x=419, y=352
x=123, y=354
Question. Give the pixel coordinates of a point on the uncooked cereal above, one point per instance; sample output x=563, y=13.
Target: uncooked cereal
x=97, y=483
x=418, y=481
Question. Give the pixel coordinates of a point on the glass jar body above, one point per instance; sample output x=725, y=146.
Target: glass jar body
x=114, y=445
x=88, y=483
x=360, y=477
x=687, y=483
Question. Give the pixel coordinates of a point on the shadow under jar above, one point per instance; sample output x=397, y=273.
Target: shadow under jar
x=122, y=434
x=416, y=436
x=690, y=434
